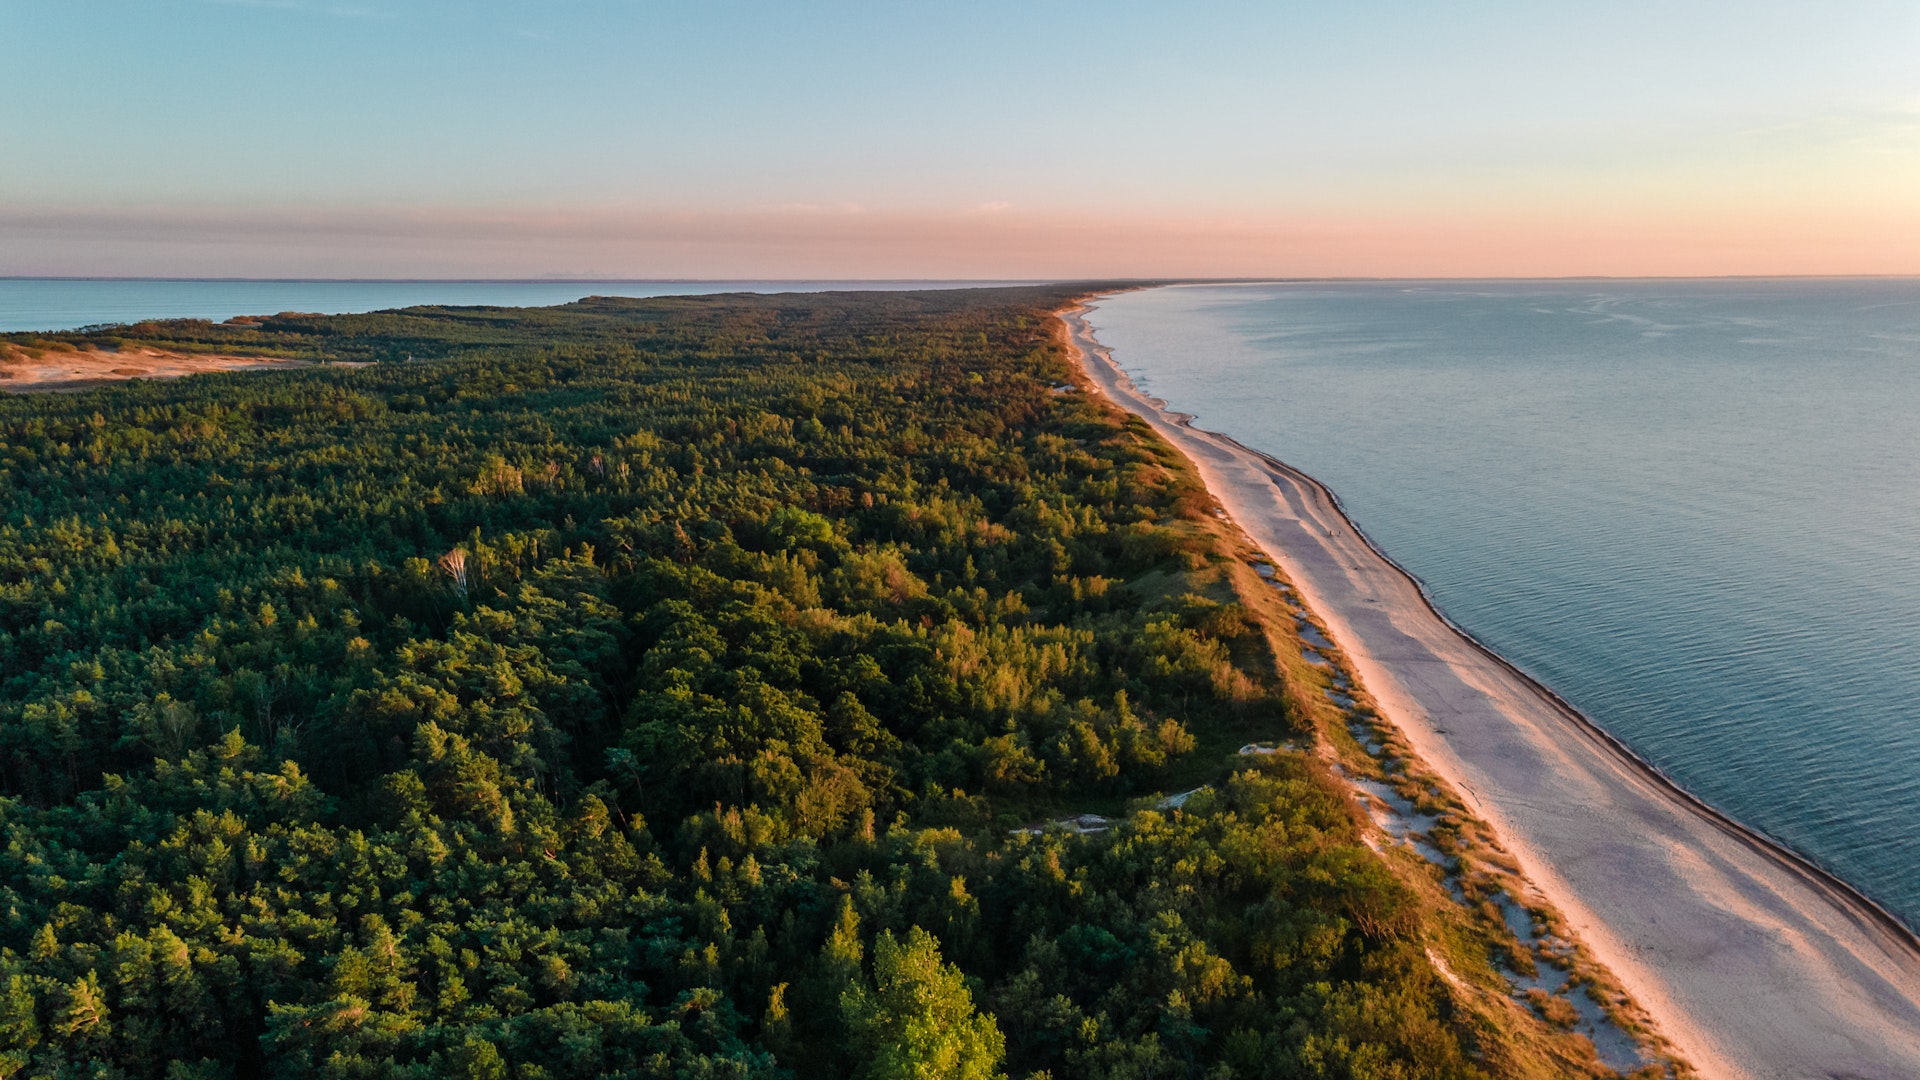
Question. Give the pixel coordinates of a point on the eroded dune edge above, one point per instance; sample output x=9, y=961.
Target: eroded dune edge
x=1751, y=960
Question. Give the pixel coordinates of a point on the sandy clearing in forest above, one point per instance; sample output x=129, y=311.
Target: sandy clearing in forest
x=61, y=369
x=1755, y=963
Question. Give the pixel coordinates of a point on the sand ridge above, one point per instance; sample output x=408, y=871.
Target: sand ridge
x=23, y=371
x=1755, y=963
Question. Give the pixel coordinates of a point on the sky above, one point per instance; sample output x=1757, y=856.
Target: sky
x=907, y=139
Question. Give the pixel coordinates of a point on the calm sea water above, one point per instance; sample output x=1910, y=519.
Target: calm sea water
x=65, y=304
x=1692, y=508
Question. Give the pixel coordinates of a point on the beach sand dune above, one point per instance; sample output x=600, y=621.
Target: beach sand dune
x=28, y=371
x=1755, y=963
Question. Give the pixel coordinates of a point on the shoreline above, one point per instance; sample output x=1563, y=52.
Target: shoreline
x=1760, y=841
x=1766, y=964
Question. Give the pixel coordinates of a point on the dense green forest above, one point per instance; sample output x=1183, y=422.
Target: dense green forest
x=660, y=688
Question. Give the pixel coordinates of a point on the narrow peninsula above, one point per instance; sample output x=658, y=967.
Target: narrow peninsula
x=838, y=684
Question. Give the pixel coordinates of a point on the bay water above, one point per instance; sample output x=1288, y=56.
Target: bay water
x=1690, y=507
x=28, y=304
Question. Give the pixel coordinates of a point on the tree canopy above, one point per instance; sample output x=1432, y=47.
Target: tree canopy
x=659, y=688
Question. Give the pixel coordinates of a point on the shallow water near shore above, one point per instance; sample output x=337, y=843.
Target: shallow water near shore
x=1690, y=507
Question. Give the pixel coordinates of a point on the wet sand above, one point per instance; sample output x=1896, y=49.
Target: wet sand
x=1754, y=962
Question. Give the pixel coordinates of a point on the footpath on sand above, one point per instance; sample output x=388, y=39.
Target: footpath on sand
x=1754, y=962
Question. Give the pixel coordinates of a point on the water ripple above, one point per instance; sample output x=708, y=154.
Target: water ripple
x=1705, y=539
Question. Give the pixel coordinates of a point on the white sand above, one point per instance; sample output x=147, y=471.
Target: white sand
x=1754, y=963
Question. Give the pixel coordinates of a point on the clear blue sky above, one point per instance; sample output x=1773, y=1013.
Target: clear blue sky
x=902, y=139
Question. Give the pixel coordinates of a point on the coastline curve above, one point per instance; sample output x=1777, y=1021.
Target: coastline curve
x=1767, y=845
x=1757, y=961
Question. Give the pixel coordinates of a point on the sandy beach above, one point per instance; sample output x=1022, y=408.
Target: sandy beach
x=1754, y=962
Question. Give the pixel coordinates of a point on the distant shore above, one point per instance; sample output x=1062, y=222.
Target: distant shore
x=1754, y=962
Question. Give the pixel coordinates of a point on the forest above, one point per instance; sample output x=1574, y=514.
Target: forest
x=676, y=688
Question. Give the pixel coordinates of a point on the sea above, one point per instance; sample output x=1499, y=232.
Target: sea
x=29, y=304
x=1691, y=507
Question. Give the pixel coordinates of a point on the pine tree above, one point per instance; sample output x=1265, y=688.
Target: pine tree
x=918, y=1022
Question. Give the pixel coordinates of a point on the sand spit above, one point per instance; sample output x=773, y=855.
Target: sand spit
x=1755, y=963
x=24, y=372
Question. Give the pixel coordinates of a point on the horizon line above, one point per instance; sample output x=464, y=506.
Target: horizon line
x=1007, y=281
